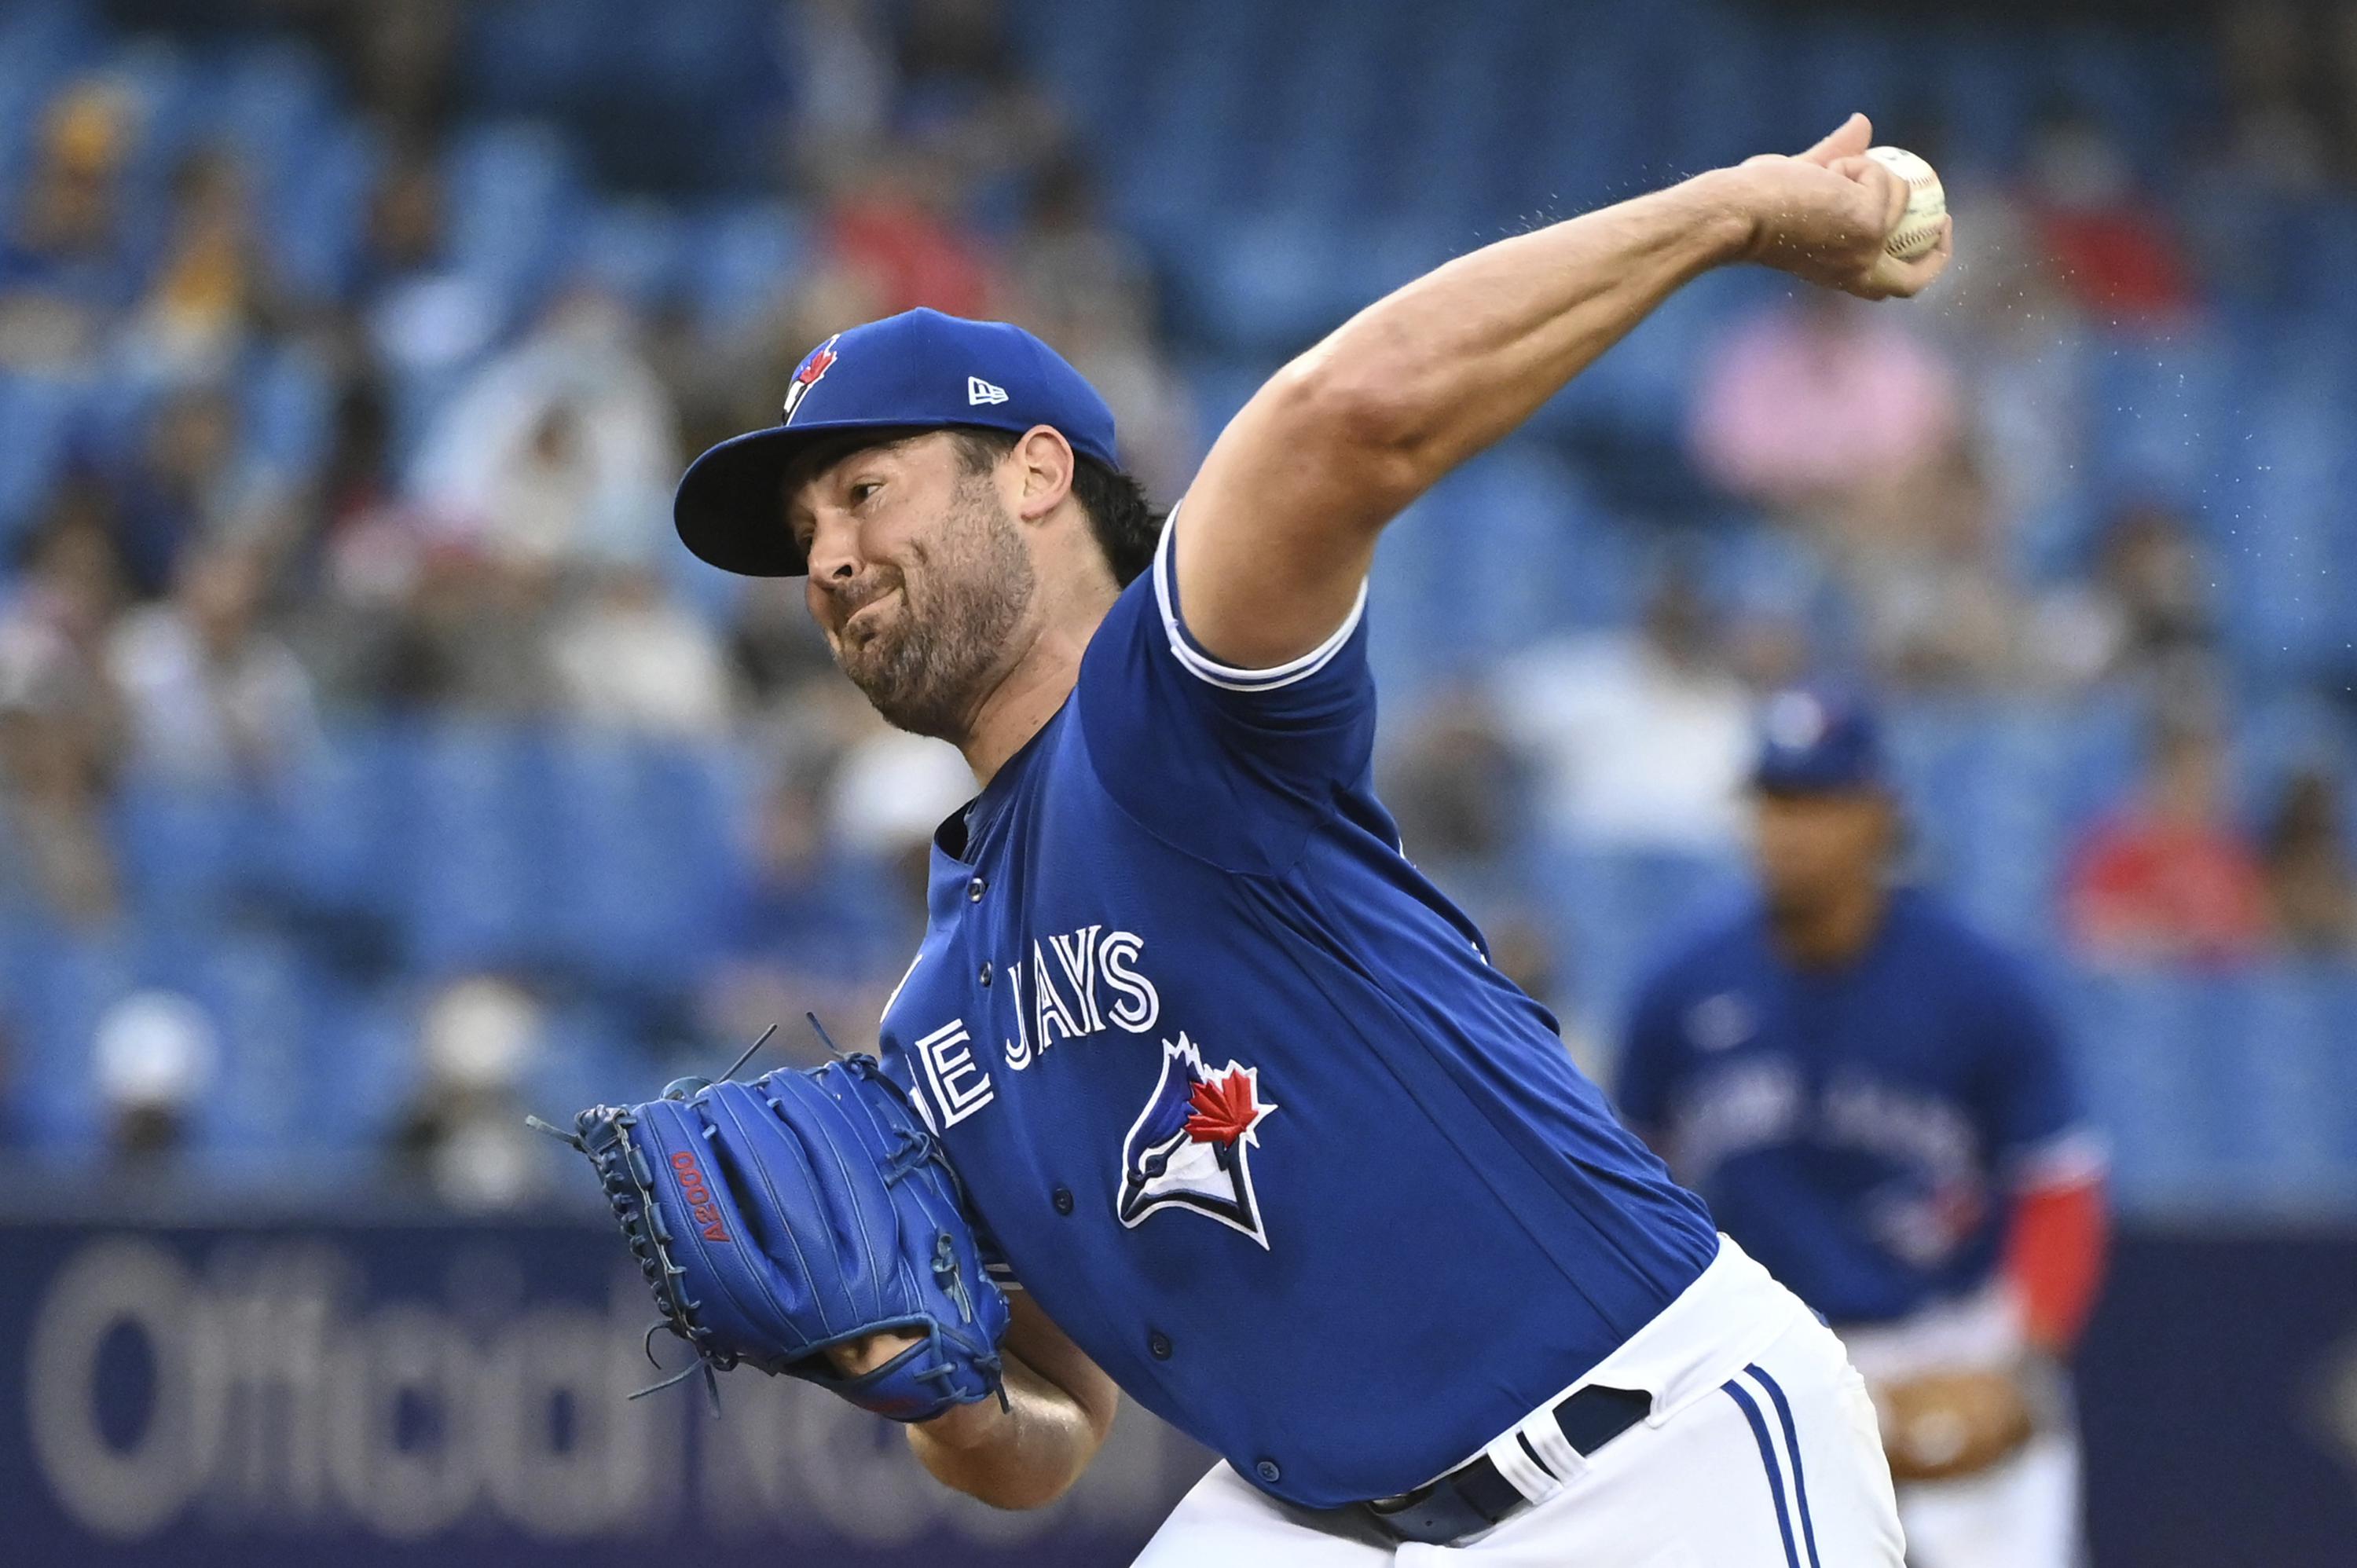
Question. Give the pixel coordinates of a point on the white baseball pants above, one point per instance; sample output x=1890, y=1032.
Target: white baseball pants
x=1781, y=1468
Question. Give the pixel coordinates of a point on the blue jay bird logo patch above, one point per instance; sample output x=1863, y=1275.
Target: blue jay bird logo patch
x=1191, y=1146
x=815, y=364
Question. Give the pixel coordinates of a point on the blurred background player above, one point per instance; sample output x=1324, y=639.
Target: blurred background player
x=1871, y=1098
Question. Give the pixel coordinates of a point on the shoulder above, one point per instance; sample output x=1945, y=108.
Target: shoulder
x=1949, y=952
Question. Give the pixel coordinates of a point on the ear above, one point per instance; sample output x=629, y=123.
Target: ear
x=1043, y=464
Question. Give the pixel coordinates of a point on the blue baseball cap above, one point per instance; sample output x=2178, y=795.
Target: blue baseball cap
x=919, y=369
x=1816, y=741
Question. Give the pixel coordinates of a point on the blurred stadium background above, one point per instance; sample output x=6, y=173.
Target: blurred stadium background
x=374, y=767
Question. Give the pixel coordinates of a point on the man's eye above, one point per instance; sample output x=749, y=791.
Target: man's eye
x=866, y=487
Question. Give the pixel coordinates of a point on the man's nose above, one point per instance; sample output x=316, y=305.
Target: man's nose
x=833, y=554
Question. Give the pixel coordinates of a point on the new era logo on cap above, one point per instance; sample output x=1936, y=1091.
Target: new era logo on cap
x=979, y=392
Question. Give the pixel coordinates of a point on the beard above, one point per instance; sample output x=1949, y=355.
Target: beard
x=927, y=667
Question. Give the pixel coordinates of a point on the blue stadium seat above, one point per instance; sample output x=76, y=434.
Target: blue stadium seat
x=314, y=236
x=36, y=423
x=638, y=850
x=635, y=249
x=739, y=261
x=59, y=986
x=471, y=858
x=2137, y=1045
x=286, y=396
x=1618, y=913
x=2164, y=415
x=187, y=850
x=510, y=189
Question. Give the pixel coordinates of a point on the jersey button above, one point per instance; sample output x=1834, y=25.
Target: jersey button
x=1062, y=1200
x=1267, y=1471
x=982, y=974
x=974, y=890
x=1159, y=1343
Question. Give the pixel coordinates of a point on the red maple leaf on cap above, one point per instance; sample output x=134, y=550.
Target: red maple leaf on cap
x=1224, y=1110
x=821, y=360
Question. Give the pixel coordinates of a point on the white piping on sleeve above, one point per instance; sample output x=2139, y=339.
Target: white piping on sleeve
x=1205, y=668
x=2071, y=1157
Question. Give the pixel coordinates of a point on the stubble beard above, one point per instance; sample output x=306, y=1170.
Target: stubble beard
x=928, y=668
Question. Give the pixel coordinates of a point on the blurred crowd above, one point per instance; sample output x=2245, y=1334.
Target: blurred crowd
x=461, y=510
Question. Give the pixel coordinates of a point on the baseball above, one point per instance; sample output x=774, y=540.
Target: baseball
x=1919, y=228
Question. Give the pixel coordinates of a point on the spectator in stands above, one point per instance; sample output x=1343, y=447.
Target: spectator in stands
x=1639, y=740
x=425, y=317
x=2155, y=588
x=463, y=1139
x=55, y=860
x=212, y=697
x=59, y=718
x=2167, y=877
x=889, y=793
x=965, y=94
x=1452, y=781
x=2114, y=252
x=1087, y=288
x=213, y=289
x=1941, y=609
x=65, y=272
x=559, y=452
x=892, y=218
x=630, y=659
x=2282, y=120
x=59, y=614
x=1825, y=410
x=2310, y=888
x=185, y=484
x=774, y=650
x=809, y=928
x=845, y=79
x=155, y=1056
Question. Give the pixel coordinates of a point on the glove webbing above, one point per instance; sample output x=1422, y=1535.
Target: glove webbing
x=629, y=1185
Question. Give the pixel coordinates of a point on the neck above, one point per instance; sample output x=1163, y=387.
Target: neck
x=1027, y=696
x=1833, y=933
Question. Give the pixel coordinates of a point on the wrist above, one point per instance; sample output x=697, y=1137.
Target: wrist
x=1726, y=213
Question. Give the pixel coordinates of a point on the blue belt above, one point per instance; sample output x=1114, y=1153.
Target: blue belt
x=1477, y=1496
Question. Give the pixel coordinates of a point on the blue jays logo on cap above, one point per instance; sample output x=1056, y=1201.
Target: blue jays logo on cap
x=815, y=364
x=1191, y=1146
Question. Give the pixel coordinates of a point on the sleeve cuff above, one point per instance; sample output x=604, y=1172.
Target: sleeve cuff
x=1197, y=662
x=2073, y=1157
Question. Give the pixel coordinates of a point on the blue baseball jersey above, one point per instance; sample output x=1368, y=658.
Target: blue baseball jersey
x=1237, y=1096
x=1857, y=1129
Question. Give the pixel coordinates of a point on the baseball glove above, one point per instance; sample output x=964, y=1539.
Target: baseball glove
x=1945, y=1425
x=779, y=1218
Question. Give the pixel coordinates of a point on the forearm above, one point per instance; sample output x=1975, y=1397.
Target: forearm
x=1452, y=361
x=1024, y=1456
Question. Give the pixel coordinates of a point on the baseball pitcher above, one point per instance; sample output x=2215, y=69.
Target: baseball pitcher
x=1197, y=1091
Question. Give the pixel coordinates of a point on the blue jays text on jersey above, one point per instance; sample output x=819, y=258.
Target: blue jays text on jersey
x=1238, y=1098
x=1856, y=1130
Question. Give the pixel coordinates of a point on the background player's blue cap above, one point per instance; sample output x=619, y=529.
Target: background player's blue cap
x=919, y=368
x=1816, y=741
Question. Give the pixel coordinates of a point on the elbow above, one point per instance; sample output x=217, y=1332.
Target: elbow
x=1367, y=409
x=1019, y=1493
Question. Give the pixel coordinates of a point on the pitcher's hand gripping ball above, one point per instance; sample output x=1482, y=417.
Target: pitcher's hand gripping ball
x=1927, y=203
x=780, y=1219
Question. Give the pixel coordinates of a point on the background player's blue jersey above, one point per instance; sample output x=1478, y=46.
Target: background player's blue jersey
x=1857, y=1129
x=1237, y=1095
